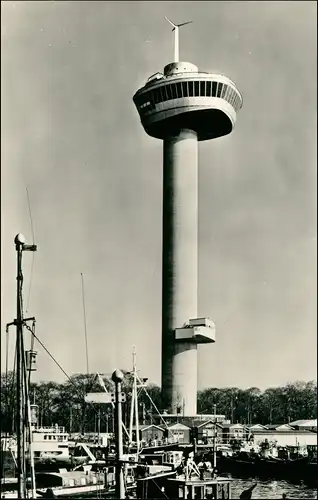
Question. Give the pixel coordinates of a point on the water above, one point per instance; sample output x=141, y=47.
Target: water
x=272, y=489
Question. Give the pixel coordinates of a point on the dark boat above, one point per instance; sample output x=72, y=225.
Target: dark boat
x=246, y=465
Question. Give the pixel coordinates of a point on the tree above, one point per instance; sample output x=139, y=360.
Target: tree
x=8, y=401
x=65, y=404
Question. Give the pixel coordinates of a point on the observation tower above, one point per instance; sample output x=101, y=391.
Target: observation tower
x=182, y=106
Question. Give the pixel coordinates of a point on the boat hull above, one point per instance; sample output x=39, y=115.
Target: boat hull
x=298, y=469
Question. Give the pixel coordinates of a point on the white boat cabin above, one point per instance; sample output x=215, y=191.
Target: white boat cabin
x=50, y=442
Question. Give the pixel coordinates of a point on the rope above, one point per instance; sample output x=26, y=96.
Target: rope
x=33, y=239
x=11, y=388
x=31, y=348
x=30, y=214
x=159, y=488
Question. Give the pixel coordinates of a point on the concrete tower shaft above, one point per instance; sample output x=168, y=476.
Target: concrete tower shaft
x=179, y=267
x=183, y=106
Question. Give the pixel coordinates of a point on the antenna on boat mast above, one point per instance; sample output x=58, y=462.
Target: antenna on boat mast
x=85, y=326
x=134, y=404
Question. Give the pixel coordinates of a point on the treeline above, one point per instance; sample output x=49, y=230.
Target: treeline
x=275, y=405
x=64, y=404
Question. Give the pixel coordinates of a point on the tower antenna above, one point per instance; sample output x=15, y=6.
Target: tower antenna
x=176, y=37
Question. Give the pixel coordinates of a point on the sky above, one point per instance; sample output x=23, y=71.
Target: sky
x=71, y=139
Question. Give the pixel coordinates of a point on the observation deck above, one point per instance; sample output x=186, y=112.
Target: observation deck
x=186, y=98
x=198, y=331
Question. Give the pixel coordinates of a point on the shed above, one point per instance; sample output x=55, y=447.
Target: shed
x=253, y=427
x=148, y=433
x=288, y=437
x=310, y=425
x=304, y=423
x=234, y=431
x=204, y=431
x=284, y=427
x=178, y=433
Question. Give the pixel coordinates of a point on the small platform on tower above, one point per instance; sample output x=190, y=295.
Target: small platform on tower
x=199, y=330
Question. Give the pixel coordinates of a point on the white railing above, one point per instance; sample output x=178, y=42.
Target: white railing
x=50, y=429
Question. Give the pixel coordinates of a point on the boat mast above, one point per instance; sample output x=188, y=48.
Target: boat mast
x=20, y=247
x=29, y=361
x=214, y=437
x=117, y=377
x=136, y=402
x=134, y=406
x=19, y=325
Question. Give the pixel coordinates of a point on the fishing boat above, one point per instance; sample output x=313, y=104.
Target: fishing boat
x=50, y=445
x=246, y=465
x=189, y=481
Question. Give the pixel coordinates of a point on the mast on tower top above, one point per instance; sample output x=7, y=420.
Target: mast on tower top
x=176, y=37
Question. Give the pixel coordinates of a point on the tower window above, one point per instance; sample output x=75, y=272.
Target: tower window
x=151, y=99
x=223, y=91
x=185, y=89
x=164, y=93
x=228, y=93
x=202, y=89
x=159, y=95
x=214, y=85
x=208, y=88
x=179, y=90
x=156, y=96
x=197, y=89
x=234, y=100
x=237, y=103
x=219, y=90
x=233, y=97
x=191, y=89
x=174, y=91
x=169, y=93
